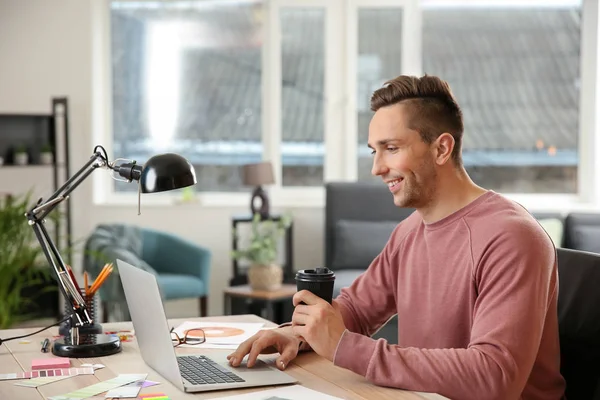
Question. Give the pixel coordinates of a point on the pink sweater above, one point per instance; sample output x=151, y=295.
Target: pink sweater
x=476, y=298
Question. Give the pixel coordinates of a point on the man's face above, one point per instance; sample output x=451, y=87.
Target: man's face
x=401, y=158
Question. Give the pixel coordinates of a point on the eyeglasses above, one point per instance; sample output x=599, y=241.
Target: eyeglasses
x=192, y=337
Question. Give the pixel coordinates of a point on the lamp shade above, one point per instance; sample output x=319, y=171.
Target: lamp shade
x=258, y=174
x=167, y=171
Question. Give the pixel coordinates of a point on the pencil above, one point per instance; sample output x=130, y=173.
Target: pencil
x=102, y=272
x=85, y=282
x=101, y=278
x=72, y=275
x=99, y=282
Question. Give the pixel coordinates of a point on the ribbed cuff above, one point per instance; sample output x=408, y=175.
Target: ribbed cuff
x=354, y=352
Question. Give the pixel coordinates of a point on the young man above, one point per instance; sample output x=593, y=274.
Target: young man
x=471, y=275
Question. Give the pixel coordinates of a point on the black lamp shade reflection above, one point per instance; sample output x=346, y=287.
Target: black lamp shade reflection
x=167, y=171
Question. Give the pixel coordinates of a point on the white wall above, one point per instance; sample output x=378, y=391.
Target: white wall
x=46, y=51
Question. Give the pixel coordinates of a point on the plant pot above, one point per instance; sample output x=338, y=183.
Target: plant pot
x=21, y=158
x=265, y=277
x=46, y=158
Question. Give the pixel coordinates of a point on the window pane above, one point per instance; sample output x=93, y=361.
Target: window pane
x=515, y=73
x=379, y=59
x=303, y=84
x=187, y=79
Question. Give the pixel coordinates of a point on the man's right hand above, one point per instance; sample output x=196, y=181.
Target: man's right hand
x=280, y=340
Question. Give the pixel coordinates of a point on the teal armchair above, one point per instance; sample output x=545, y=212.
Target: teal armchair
x=182, y=268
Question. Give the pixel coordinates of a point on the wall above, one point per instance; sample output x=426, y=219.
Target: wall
x=45, y=51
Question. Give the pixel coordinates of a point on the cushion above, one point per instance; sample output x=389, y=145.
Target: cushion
x=586, y=238
x=554, y=228
x=176, y=286
x=357, y=243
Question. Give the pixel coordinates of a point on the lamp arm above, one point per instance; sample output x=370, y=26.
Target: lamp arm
x=36, y=218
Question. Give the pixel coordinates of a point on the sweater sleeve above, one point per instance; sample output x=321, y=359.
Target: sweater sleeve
x=516, y=282
x=369, y=302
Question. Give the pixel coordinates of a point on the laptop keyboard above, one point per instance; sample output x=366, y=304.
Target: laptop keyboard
x=200, y=370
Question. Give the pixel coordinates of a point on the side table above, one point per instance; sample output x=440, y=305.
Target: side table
x=268, y=298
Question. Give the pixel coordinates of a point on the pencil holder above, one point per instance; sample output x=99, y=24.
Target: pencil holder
x=91, y=303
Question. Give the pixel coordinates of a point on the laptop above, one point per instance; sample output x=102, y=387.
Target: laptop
x=192, y=372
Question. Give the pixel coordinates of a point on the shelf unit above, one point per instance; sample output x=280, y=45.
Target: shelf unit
x=34, y=131
x=239, y=272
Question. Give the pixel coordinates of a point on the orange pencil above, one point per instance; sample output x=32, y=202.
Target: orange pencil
x=99, y=283
x=100, y=275
x=101, y=280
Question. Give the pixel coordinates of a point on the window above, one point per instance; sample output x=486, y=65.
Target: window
x=228, y=83
x=379, y=58
x=515, y=72
x=302, y=95
x=187, y=78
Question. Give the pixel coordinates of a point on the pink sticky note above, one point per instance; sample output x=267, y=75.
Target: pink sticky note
x=49, y=363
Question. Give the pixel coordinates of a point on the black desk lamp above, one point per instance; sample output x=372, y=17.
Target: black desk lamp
x=160, y=173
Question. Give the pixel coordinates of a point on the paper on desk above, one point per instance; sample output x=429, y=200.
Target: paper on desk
x=220, y=335
x=294, y=392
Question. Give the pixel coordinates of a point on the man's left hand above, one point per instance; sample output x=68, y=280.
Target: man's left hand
x=318, y=322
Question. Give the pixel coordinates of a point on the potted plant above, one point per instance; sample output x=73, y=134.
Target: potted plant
x=46, y=157
x=20, y=156
x=24, y=272
x=264, y=272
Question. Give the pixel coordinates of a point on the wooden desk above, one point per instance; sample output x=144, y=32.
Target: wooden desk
x=310, y=369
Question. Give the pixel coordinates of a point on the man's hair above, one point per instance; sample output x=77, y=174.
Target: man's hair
x=430, y=104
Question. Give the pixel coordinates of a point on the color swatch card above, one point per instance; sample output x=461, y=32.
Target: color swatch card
x=155, y=396
x=127, y=391
x=48, y=372
x=100, y=387
x=35, y=382
x=50, y=363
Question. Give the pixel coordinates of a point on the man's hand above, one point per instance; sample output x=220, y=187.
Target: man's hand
x=280, y=340
x=318, y=322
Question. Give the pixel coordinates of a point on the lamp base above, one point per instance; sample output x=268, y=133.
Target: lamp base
x=89, y=345
x=259, y=195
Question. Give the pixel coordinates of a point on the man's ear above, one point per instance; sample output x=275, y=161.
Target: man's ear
x=443, y=147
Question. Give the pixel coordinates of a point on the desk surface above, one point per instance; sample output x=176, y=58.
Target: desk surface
x=310, y=369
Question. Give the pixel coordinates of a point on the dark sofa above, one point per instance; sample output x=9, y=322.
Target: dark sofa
x=359, y=217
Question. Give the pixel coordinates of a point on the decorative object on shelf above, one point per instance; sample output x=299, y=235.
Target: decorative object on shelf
x=264, y=273
x=21, y=157
x=257, y=175
x=160, y=173
x=46, y=156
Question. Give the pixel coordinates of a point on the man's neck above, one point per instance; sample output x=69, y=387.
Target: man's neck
x=454, y=191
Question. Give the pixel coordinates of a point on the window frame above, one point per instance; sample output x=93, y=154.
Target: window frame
x=411, y=64
x=340, y=139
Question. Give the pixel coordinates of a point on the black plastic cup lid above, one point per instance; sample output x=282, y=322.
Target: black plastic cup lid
x=317, y=274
